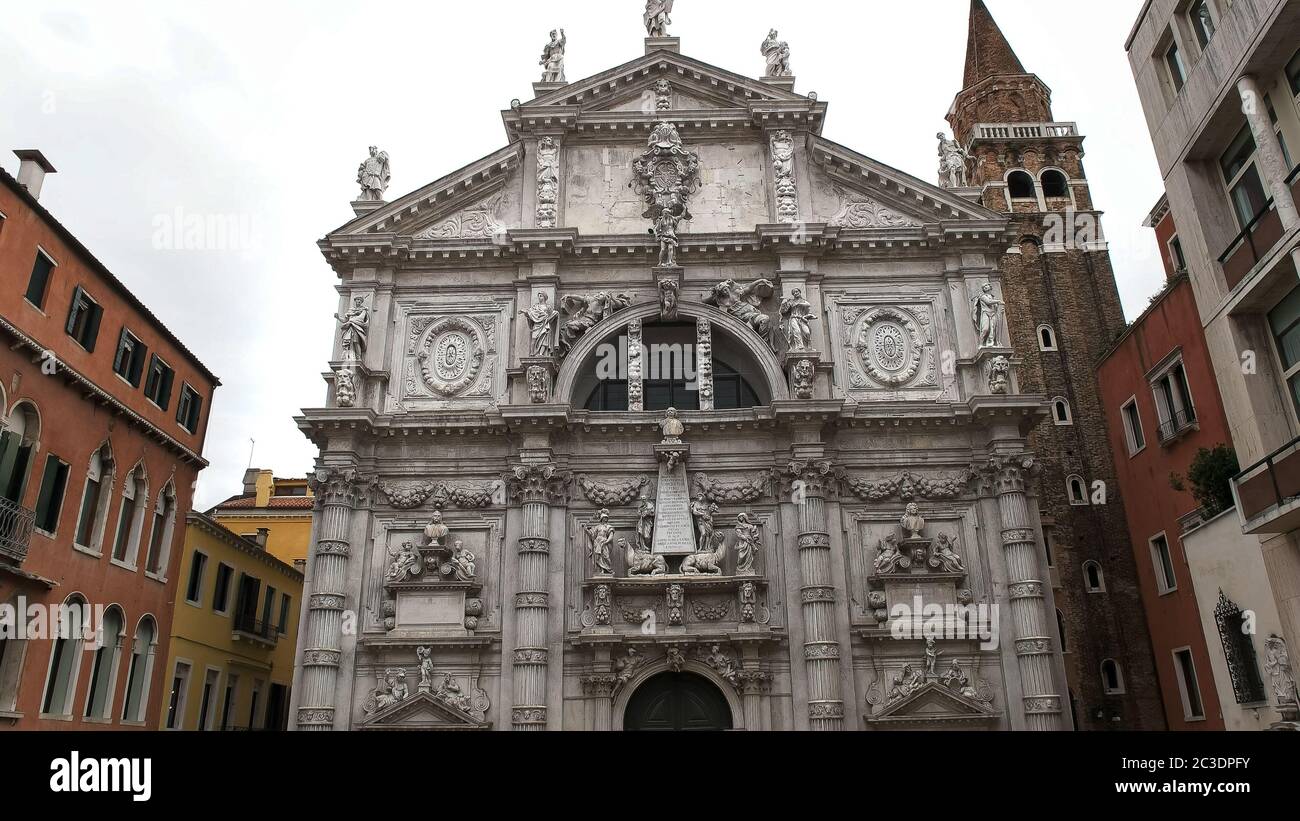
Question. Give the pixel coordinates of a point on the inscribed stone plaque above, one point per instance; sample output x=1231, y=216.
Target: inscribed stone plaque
x=674, y=530
x=431, y=611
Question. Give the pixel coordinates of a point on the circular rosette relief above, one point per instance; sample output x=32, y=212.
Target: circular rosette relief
x=451, y=356
x=890, y=346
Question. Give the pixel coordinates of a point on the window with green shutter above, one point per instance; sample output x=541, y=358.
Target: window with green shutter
x=49, y=504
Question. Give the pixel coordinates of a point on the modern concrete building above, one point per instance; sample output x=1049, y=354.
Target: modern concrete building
x=672, y=413
x=103, y=413
x=1219, y=83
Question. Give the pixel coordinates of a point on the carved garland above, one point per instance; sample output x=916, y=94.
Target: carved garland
x=738, y=492
x=612, y=494
x=908, y=486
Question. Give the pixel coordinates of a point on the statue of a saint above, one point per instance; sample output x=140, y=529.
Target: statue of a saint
x=952, y=162
x=672, y=428
x=777, y=53
x=748, y=541
x=436, y=532
x=552, y=61
x=656, y=17
x=645, y=524
x=986, y=311
x=665, y=231
x=796, y=316
x=355, y=329
x=425, y=654
x=373, y=176
x=703, y=511
x=542, y=319
x=600, y=536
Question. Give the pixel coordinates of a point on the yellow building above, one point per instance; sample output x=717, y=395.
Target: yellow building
x=282, y=507
x=230, y=662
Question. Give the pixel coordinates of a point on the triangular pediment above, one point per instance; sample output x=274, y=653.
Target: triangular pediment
x=853, y=191
x=697, y=81
x=422, y=711
x=936, y=704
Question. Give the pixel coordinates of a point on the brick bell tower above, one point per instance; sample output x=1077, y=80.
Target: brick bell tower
x=1063, y=313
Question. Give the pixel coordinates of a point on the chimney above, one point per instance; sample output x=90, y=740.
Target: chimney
x=262, y=533
x=250, y=480
x=32, y=168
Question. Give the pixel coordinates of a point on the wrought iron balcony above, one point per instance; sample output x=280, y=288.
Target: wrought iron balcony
x=1268, y=492
x=247, y=626
x=16, y=524
x=1022, y=131
x=1258, y=239
x=1175, y=427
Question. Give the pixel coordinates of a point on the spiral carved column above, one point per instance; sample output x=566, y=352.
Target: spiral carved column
x=535, y=487
x=808, y=483
x=338, y=493
x=1034, y=645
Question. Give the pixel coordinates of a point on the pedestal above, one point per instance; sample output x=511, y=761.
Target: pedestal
x=801, y=369
x=545, y=88
x=674, y=533
x=363, y=207
x=786, y=83
x=673, y=44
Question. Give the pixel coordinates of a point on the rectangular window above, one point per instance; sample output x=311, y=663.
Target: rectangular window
x=283, y=625
x=1174, y=62
x=1049, y=536
x=129, y=361
x=194, y=590
x=1188, y=686
x=1176, y=254
x=1202, y=21
x=1162, y=558
x=189, y=409
x=207, y=706
x=1245, y=188
x=1284, y=321
x=221, y=593
x=49, y=504
x=267, y=604
x=1293, y=74
x=1173, y=402
x=158, y=387
x=83, y=319
x=1133, y=427
x=176, y=703
x=39, y=283
x=232, y=689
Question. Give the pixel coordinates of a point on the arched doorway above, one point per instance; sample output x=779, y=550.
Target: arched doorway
x=677, y=701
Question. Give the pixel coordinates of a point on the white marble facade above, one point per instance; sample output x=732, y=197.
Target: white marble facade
x=475, y=557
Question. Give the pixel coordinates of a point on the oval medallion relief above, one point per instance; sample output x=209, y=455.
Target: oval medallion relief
x=890, y=346
x=451, y=356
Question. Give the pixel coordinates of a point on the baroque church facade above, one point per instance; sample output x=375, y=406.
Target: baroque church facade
x=675, y=414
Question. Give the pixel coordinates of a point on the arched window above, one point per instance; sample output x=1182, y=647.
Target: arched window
x=1078, y=490
x=669, y=372
x=1093, y=579
x=1046, y=338
x=65, y=658
x=1021, y=185
x=160, y=537
x=135, y=493
x=103, y=670
x=20, y=432
x=1112, y=677
x=1055, y=184
x=12, y=652
x=1060, y=630
x=1061, y=415
x=140, y=670
x=95, y=500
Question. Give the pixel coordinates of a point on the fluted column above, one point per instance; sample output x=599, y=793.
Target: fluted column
x=753, y=683
x=600, y=689
x=534, y=487
x=808, y=483
x=1034, y=646
x=338, y=492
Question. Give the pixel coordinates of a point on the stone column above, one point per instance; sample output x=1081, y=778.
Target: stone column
x=1035, y=649
x=338, y=491
x=807, y=483
x=635, y=367
x=1268, y=151
x=600, y=688
x=752, y=685
x=533, y=486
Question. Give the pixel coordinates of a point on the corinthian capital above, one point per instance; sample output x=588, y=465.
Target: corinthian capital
x=1005, y=473
x=812, y=477
x=342, y=486
x=538, y=483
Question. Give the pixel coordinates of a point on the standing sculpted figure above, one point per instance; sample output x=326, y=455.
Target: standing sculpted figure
x=747, y=543
x=552, y=61
x=600, y=536
x=373, y=176
x=1278, y=666
x=952, y=162
x=777, y=54
x=645, y=524
x=541, y=319
x=986, y=312
x=796, y=316
x=656, y=17
x=355, y=328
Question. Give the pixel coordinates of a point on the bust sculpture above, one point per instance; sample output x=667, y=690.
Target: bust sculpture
x=672, y=428
x=913, y=523
x=436, y=532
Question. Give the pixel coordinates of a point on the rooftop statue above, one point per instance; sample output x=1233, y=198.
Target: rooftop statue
x=373, y=176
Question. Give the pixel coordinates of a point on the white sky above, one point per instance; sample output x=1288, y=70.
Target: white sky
x=262, y=111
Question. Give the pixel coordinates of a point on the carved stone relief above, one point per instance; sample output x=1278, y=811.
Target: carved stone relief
x=479, y=221
x=857, y=210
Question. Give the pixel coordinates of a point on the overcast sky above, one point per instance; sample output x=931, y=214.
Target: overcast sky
x=261, y=111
